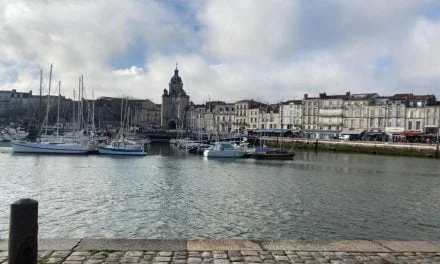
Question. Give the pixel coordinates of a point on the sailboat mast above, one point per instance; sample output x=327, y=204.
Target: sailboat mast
x=79, y=104
x=40, y=98
x=58, y=109
x=74, y=113
x=93, y=113
x=48, y=100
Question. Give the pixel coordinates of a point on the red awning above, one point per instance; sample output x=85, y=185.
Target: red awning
x=413, y=134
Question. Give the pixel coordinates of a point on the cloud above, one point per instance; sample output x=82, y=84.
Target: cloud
x=265, y=50
x=255, y=31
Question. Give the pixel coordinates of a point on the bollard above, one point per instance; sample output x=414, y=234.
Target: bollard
x=23, y=232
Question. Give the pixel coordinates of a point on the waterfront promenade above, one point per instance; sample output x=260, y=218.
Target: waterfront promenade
x=75, y=251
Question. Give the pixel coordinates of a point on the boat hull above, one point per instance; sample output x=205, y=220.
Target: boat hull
x=48, y=148
x=275, y=156
x=223, y=154
x=121, y=151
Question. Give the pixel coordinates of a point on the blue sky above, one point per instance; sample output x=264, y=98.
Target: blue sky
x=229, y=50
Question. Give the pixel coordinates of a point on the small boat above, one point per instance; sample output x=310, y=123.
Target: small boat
x=272, y=153
x=123, y=147
x=224, y=150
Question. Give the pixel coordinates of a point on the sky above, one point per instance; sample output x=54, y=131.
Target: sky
x=266, y=50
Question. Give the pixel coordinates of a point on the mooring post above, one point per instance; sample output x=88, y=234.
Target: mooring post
x=436, y=151
x=23, y=232
x=316, y=145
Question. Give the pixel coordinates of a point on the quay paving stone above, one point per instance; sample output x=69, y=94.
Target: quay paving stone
x=106, y=256
x=221, y=244
x=343, y=245
x=417, y=246
x=132, y=244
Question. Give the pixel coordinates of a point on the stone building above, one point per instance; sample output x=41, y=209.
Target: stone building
x=355, y=112
x=432, y=122
x=310, y=117
x=242, y=114
x=330, y=111
x=224, y=114
x=149, y=114
x=291, y=114
x=195, y=118
x=175, y=102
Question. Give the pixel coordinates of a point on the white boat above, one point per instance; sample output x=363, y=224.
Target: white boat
x=53, y=145
x=224, y=150
x=48, y=147
x=122, y=147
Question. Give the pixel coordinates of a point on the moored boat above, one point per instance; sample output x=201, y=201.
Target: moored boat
x=122, y=147
x=224, y=150
x=272, y=153
x=48, y=147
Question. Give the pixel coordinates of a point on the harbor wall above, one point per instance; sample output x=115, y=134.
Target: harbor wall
x=368, y=147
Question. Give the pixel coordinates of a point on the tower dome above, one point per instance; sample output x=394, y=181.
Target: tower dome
x=176, y=78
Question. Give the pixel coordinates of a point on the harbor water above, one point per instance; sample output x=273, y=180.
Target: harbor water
x=170, y=194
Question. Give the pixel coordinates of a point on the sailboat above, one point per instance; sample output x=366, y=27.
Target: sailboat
x=49, y=145
x=121, y=145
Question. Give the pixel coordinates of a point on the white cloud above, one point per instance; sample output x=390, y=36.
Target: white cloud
x=265, y=50
x=419, y=56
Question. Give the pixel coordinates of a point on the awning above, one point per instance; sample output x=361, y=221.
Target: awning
x=276, y=130
x=352, y=132
x=375, y=133
x=412, y=134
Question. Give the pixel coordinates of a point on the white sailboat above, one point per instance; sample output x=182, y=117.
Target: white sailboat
x=121, y=145
x=54, y=145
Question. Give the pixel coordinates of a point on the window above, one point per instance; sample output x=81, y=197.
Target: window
x=409, y=125
x=371, y=122
x=361, y=123
x=398, y=122
x=352, y=123
x=418, y=125
x=389, y=122
x=411, y=114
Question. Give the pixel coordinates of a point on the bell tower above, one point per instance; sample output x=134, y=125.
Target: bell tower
x=174, y=103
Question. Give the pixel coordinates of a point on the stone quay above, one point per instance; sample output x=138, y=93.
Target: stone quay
x=224, y=251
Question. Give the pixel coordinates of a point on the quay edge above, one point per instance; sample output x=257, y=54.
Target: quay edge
x=366, y=147
x=86, y=244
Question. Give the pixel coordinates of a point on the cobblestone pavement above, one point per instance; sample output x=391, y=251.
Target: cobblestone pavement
x=228, y=257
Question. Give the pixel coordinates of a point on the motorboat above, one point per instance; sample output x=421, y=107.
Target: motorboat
x=224, y=150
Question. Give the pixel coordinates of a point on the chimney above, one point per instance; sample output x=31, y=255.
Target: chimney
x=306, y=96
x=347, y=93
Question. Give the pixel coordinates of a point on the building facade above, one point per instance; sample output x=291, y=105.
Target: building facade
x=291, y=114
